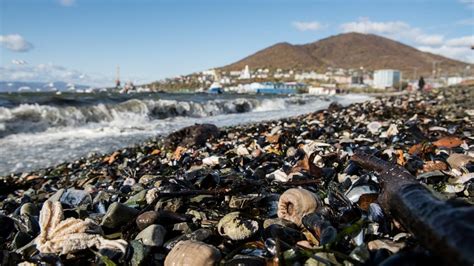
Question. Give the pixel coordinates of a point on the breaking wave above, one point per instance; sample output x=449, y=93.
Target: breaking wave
x=28, y=118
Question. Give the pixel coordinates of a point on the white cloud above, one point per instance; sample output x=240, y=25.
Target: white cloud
x=459, y=53
x=308, y=25
x=51, y=73
x=15, y=42
x=468, y=3
x=67, y=2
x=466, y=41
x=466, y=22
x=456, y=48
x=431, y=40
x=19, y=62
x=365, y=25
x=393, y=29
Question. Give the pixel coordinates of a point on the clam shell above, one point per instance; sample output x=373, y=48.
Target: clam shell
x=236, y=227
x=189, y=252
x=374, y=127
x=458, y=160
x=296, y=203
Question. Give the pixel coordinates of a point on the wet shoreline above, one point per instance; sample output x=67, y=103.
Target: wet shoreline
x=268, y=192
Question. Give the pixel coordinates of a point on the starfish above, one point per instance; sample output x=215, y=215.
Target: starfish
x=70, y=235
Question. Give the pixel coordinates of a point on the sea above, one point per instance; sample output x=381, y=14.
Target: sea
x=42, y=129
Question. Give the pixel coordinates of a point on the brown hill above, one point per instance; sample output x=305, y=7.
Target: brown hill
x=349, y=50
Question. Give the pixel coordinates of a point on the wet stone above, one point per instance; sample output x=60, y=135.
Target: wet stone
x=146, y=219
x=117, y=215
x=75, y=198
x=152, y=236
x=140, y=252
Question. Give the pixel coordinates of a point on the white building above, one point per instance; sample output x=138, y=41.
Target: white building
x=386, y=78
x=245, y=73
x=454, y=80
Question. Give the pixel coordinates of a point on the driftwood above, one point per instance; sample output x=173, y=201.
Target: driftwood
x=445, y=228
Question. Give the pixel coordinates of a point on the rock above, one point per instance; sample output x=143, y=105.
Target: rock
x=140, y=252
x=146, y=219
x=129, y=182
x=117, y=215
x=145, y=179
x=7, y=226
x=137, y=199
x=57, y=196
x=196, y=135
x=75, y=197
x=152, y=236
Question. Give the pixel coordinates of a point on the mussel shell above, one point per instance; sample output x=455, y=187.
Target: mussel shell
x=289, y=235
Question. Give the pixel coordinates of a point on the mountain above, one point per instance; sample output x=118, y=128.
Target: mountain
x=349, y=50
x=14, y=86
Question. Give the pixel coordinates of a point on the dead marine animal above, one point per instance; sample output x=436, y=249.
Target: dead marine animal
x=191, y=252
x=70, y=235
x=296, y=203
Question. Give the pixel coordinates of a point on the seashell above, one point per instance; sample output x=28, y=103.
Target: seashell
x=458, y=160
x=320, y=227
x=462, y=179
x=448, y=142
x=393, y=247
x=189, y=252
x=391, y=131
x=430, y=166
x=151, y=195
x=236, y=227
x=290, y=235
x=279, y=176
x=211, y=161
x=436, y=128
x=356, y=192
x=374, y=127
x=296, y=203
x=242, y=150
x=129, y=182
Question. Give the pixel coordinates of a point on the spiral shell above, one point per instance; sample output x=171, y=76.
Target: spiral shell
x=296, y=203
x=236, y=227
x=190, y=252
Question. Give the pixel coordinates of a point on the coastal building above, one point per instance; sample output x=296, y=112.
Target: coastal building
x=245, y=73
x=454, y=81
x=322, y=90
x=268, y=87
x=386, y=78
x=310, y=76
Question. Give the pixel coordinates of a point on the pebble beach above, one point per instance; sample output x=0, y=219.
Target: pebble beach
x=281, y=192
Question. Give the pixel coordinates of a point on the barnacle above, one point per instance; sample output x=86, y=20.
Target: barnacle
x=70, y=235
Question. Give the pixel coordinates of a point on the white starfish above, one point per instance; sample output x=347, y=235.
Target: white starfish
x=70, y=235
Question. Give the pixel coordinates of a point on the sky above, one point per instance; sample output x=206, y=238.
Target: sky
x=83, y=41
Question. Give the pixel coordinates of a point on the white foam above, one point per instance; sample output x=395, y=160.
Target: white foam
x=118, y=128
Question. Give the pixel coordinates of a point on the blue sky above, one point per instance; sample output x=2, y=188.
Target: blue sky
x=82, y=41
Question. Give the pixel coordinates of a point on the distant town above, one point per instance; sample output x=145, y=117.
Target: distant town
x=331, y=81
